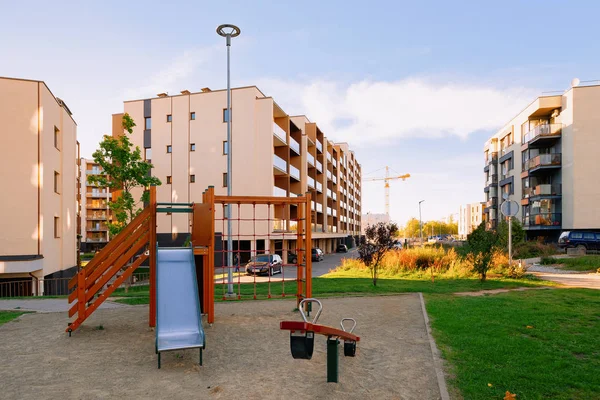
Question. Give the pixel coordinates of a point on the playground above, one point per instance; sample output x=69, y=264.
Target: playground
x=247, y=355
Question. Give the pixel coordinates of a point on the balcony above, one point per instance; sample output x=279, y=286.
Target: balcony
x=329, y=157
x=312, y=205
x=97, y=229
x=280, y=134
x=328, y=175
x=329, y=211
x=329, y=193
x=491, y=203
x=279, y=165
x=95, y=239
x=334, y=163
x=279, y=192
x=545, y=190
x=541, y=135
x=93, y=172
x=294, y=172
x=294, y=146
x=334, y=212
x=96, y=193
x=311, y=159
x=542, y=162
x=334, y=179
x=334, y=196
x=319, y=146
x=319, y=187
x=311, y=182
x=492, y=180
x=319, y=167
x=544, y=220
x=96, y=205
x=95, y=216
x=319, y=207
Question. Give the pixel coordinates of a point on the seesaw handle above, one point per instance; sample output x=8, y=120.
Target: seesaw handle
x=317, y=315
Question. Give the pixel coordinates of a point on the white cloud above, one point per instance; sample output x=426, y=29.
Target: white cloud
x=380, y=111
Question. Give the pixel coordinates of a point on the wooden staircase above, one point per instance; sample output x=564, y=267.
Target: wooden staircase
x=111, y=267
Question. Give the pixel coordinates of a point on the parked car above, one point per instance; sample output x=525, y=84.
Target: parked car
x=398, y=245
x=341, y=248
x=292, y=258
x=268, y=264
x=579, y=240
x=317, y=254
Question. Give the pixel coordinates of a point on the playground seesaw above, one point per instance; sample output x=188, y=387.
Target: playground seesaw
x=302, y=338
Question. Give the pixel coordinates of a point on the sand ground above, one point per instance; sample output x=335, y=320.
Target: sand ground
x=247, y=356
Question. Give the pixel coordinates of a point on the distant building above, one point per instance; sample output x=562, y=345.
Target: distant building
x=94, y=209
x=469, y=218
x=39, y=164
x=372, y=219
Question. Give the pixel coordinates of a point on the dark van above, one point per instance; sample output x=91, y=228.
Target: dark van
x=579, y=240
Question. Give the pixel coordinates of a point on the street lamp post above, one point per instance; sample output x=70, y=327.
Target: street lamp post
x=228, y=31
x=420, y=223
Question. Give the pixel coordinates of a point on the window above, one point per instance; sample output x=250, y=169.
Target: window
x=509, y=139
x=225, y=114
x=192, y=146
x=169, y=118
x=169, y=148
x=56, y=138
x=148, y=123
x=193, y=116
x=225, y=147
x=589, y=236
x=56, y=227
x=192, y=178
x=169, y=180
x=224, y=179
x=148, y=154
x=56, y=182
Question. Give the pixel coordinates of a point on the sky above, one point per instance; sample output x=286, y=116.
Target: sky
x=418, y=86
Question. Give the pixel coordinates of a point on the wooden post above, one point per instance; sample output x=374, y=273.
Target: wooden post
x=152, y=248
x=303, y=257
x=308, y=247
x=210, y=282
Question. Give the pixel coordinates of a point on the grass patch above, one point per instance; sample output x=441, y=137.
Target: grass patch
x=537, y=344
x=585, y=263
x=6, y=316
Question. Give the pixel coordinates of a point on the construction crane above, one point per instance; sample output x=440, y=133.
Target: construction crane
x=387, y=180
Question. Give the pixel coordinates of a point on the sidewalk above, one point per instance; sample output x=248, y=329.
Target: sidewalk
x=46, y=305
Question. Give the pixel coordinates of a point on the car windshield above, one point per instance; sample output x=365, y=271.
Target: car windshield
x=564, y=235
x=263, y=258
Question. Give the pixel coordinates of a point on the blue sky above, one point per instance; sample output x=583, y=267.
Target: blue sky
x=418, y=86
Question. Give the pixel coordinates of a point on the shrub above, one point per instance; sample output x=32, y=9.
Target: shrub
x=547, y=260
x=533, y=249
x=516, y=271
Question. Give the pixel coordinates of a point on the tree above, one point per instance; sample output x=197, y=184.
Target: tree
x=481, y=244
x=518, y=233
x=123, y=170
x=378, y=239
x=412, y=228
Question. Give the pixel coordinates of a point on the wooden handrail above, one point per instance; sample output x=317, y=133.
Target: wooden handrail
x=259, y=200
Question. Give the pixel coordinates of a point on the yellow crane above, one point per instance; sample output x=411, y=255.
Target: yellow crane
x=387, y=180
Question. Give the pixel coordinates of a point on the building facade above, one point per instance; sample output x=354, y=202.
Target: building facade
x=273, y=154
x=469, y=218
x=95, y=213
x=545, y=159
x=39, y=160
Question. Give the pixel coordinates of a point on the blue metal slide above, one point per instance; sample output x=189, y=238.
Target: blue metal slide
x=178, y=315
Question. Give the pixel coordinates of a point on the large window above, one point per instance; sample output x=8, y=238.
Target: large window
x=148, y=123
x=169, y=148
x=192, y=178
x=224, y=179
x=169, y=118
x=225, y=147
x=192, y=146
x=192, y=116
x=56, y=227
x=169, y=180
x=225, y=115
x=57, y=138
x=56, y=182
x=148, y=154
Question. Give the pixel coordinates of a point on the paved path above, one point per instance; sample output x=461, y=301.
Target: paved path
x=46, y=305
x=573, y=279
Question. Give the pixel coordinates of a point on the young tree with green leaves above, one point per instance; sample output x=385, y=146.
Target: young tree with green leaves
x=124, y=169
x=481, y=244
x=378, y=239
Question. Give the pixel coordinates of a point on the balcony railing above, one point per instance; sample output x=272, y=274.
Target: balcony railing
x=328, y=192
x=311, y=159
x=334, y=163
x=492, y=202
x=319, y=167
x=294, y=145
x=542, y=131
x=93, y=172
x=334, y=179
x=95, y=239
x=294, y=172
x=96, y=216
x=542, y=190
x=97, y=229
x=493, y=191
x=329, y=157
x=97, y=193
x=543, y=160
x=319, y=187
x=96, y=205
x=312, y=205
x=334, y=212
x=319, y=207
x=491, y=158
x=544, y=219
x=279, y=163
x=311, y=182
x=279, y=132
x=329, y=175
x=334, y=196
x=319, y=146
x=492, y=180
x=328, y=210
x=279, y=192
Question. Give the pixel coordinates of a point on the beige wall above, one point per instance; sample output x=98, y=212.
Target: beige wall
x=19, y=154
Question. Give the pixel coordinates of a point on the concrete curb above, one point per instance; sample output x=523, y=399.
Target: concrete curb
x=435, y=353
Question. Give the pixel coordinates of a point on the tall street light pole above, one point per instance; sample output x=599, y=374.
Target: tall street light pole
x=228, y=31
x=420, y=223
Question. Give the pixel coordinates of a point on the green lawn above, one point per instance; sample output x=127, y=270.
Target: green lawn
x=539, y=344
x=585, y=263
x=6, y=316
x=352, y=283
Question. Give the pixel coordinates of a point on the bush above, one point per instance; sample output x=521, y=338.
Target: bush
x=547, y=261
x=533, y=249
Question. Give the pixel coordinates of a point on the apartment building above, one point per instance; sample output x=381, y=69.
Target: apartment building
x=273, y=154
x=95, y=213
x=545, y=159
x=469, y=218
x=39, y=164
x=373, y=219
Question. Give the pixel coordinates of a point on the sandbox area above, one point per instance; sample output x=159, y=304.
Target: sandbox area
x=247, y=356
